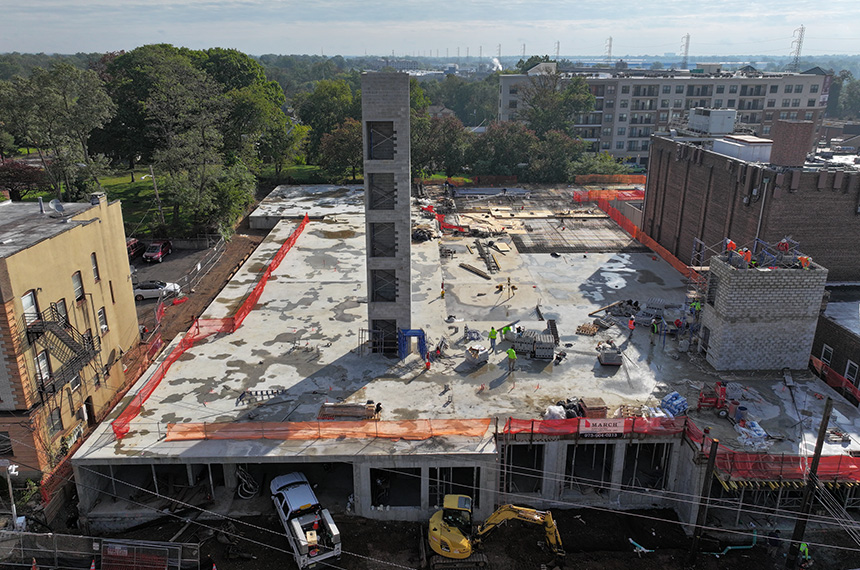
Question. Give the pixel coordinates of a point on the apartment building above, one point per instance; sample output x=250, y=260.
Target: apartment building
x=67, y=316
x=630, y=106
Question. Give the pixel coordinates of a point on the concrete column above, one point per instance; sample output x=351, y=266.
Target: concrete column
x=554, y=457
x=231, y=479
x=361, y=489
x=617, y=470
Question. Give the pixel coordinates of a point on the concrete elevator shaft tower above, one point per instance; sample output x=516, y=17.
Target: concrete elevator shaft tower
x=387, y=185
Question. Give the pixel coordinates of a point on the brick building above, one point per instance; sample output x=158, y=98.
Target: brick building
x=695, y=192
x=67, y=317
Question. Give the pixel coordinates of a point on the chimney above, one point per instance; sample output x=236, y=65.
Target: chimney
x=41, y=206
x=792, y=141
x=97, y=198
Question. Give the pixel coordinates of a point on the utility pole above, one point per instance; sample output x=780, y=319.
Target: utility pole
x=809, y=490
x=798, y=46
x=704, y=498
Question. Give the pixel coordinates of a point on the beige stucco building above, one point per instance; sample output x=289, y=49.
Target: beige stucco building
x=67, y=316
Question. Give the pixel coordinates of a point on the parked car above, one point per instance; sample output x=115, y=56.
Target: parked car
x=135, y=248
x=154, y=290
x=157, y=250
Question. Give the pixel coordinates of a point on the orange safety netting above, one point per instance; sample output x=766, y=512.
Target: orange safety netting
x=581, y=196
x=201, y=329
x=771, y=466
x=833, y=378
x=404, y=429
x=652, y=426
x=609, y=179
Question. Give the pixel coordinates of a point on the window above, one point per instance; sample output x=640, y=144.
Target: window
x=95, y=263
x=851, y=372
x=667, y=89
x=383, y=192
x=609, y=103
x=798, y=88
x=678, y=103
x=607, y=117
x=768, y=116
x=664, y=116
x=774, y=88
x=632, y=145
x=795, y=102
x=813, y=88
x=512, y=104
x=605, y=145
x=809, y=115
x=607, y=131
x=788, y=89
x=512, y=90
x=733, y=88
x=810, y=103
x=112, y=298
x=78, y=285
x=610, y=90
x=619, y=145
x=826, y=354
x=783, y=115
x=721, y=88
x=382, y=239
x=664, y=103
x=62, y=312
x=380, y=140
x=622, y=117
x=786, y=102
x=622, y=131
x=5, y=444
x=765, y=130
x=43, y=366
x=644, y=145
x=31, y=307
x=75, y=383
x=731, y=104
x=771, y=102
x=625, y=89
x=103, y=325
x=792, y=116
x=383, y=285
x=679, y=89
x=56, y=421
x=624, y=103
x=718, y=103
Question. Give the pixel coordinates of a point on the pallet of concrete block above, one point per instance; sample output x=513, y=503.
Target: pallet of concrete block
x=588, y=329
x=524, y=343
x=593, y=408
x=544, y=347
x=344, y=410
x=477, y=354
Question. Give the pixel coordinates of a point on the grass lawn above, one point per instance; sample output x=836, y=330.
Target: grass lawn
x=139, y=208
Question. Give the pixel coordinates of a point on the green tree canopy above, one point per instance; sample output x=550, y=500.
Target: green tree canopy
x=551, y=103
x=598, y=163
x=524, y=65
x=551, y=157
x=323, y=109
x=341, y=151
x=503, y=150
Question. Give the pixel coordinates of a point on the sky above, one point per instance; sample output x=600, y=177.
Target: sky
x=422, y=28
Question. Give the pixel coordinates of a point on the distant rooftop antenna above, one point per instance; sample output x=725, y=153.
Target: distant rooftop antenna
x=685, y=50
x=797, y=44
x=609, y=51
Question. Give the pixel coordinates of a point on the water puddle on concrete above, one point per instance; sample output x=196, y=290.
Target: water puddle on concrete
x=342, y=234
x=645, y=276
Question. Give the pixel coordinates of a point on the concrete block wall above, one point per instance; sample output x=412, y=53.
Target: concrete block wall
x=385, y=97
x=696, y=193
x=762, y=319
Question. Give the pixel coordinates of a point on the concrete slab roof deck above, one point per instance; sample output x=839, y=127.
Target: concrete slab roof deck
x=22, y=225
x=844, y=307
x=317, y=201
x=302, y=339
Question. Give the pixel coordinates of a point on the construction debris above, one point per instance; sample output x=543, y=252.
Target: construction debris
x=588, y=329
x=341, y=411
x=475, y=270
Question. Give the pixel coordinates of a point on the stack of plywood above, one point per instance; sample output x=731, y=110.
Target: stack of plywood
x=593, y=408
x=347, y=411
x=589, y=329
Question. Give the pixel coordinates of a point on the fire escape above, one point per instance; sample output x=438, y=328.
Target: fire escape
x=52, y=331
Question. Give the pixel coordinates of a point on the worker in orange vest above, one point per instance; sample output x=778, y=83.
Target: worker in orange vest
x=631, y=325
x=747, y=255
x=804, y=261
x=730, y=245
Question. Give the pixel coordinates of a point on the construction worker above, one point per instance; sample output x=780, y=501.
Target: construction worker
x=512, y=359
x=731, y=246
x=747, y=255
x=655, y=328
x=804, y=551
x=631, y=325
x=493, y=334
x=505, y=330
x=805, y=261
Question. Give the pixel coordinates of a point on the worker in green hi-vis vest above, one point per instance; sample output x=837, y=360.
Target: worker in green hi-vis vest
x=512, y=359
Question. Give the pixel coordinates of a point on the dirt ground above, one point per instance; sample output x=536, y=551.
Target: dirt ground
x=593, y=540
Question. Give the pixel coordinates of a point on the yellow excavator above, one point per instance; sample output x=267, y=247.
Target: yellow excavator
x=452, y=538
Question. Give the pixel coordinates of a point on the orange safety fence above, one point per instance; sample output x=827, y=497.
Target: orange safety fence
x=581, y=196
x=201, y=329
x=652, y=426
x=834, y=379
x=772, y=466
x=609, y=179
x=403, y=429
x=647, y=241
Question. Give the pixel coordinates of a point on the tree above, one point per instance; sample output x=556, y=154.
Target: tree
x=657, y=65
x=503, y=150
x=849, y=99
x=552, y=157
x=326, y=107
x=445, y=144
x=20, y=179
x=524, y=65
x=283, y=143
x=233, y=192
x=598, y=163
x=551, y=103
x=341, y=150
x=474, y=102
x=8, y=148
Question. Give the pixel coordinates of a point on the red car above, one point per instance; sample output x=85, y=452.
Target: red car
x=157, y=250
x=135, y=248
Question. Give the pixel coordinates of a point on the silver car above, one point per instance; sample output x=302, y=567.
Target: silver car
x=154, y=290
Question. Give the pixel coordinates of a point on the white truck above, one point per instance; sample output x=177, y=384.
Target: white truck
x=310, y=530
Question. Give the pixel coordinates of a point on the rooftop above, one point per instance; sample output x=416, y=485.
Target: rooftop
x=301, y=343
x=22, y=225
